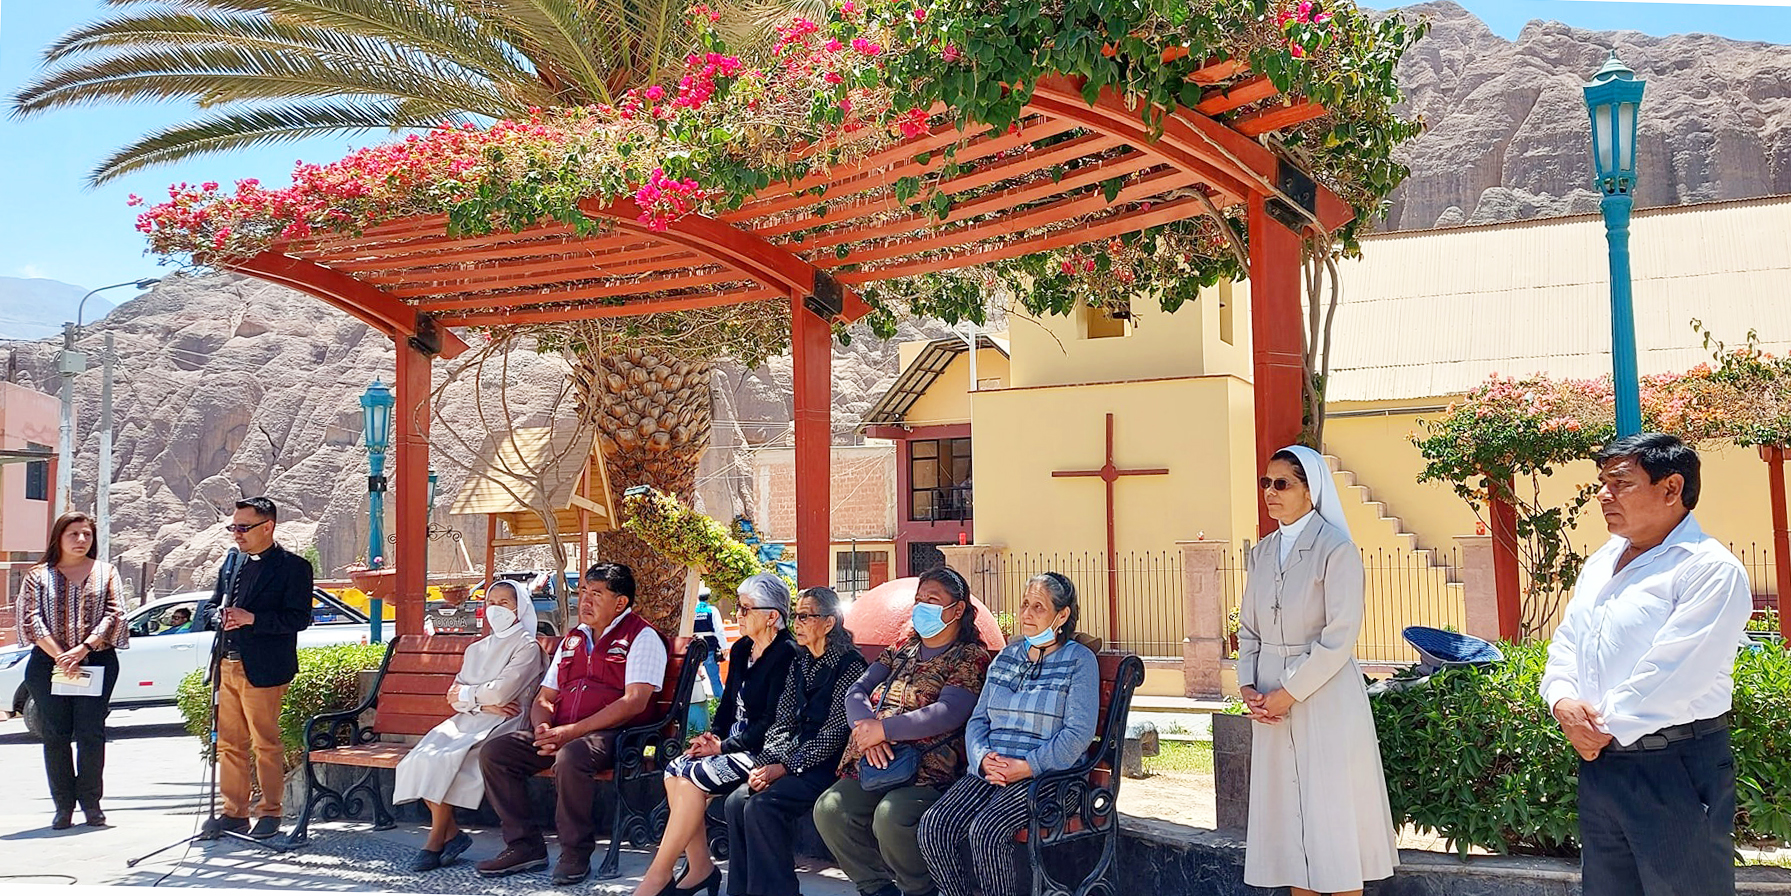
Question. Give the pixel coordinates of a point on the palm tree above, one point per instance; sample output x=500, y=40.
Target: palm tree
x=269, y=71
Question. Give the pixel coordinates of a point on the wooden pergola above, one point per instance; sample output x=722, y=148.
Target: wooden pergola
x=1031, y=189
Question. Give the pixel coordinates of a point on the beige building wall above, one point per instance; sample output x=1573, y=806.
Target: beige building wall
x=1209, y=336
x=1023, y=435
x=1733, y=507
x=948, y=400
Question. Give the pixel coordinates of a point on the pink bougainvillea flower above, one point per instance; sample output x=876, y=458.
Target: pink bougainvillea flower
x=951, y=53
x=920, y=15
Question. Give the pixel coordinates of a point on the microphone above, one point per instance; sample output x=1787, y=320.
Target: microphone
x=227, y=575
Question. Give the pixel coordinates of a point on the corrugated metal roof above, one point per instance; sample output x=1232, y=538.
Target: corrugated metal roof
x=914, y=381
x=1434, y=313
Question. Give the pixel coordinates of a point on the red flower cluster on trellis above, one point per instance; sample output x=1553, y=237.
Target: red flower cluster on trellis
x=665, y=199
x=1307, y=14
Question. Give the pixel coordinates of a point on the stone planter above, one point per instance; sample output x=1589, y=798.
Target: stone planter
x=1231, y=770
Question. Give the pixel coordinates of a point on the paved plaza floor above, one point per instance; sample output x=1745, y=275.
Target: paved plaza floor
x=156, y=796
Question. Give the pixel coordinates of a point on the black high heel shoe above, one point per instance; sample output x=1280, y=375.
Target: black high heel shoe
x=712, y=883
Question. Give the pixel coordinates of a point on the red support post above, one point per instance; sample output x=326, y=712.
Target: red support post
x=1505, y=577
x=1774, y=455
x=410, y=486
x=811, y=340
x=1275, y=328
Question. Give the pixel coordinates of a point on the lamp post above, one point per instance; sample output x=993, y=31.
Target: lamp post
x=376, y=417
x=1613, y=98
x=68, y=364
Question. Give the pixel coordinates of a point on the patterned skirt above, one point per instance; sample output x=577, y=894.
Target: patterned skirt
x=712, y=774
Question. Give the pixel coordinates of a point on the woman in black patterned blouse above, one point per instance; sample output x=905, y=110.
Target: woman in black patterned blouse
x=801, y=755
x=70, y=611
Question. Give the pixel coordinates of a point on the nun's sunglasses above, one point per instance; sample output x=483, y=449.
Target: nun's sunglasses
x=1279, y=485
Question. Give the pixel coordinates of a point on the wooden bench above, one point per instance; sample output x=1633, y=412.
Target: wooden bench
x=1078, y=804
x=409, y=697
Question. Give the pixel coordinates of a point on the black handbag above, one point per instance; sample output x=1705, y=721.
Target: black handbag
x=904, y=761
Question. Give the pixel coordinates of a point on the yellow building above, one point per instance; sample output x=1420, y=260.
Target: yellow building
x=1010, y=467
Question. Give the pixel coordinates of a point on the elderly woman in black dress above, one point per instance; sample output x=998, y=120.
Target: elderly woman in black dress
x=801, y=755
x=718, y=763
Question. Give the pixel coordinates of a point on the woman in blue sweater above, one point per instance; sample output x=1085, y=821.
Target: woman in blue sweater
x=1036, y=715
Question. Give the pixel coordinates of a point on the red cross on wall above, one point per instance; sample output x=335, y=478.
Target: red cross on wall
x=1110, y=473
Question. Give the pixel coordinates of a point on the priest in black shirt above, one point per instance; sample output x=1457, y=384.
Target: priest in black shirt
x=265, y=599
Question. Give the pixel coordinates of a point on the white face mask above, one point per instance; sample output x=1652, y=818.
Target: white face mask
x=501, y=618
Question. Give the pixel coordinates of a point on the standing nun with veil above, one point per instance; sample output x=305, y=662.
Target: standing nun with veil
x=1319, y=819
x=499, y=674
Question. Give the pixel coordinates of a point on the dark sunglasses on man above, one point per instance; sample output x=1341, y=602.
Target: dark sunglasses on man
x=240, y=528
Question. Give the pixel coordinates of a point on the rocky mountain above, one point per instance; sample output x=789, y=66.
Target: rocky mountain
x=1508, y=138
x=33, y=308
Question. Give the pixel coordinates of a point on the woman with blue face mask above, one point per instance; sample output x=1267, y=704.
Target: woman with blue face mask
x=907, y=713
x=1037, y=714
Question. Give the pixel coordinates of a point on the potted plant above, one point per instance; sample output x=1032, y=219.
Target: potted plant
x=1231, y=766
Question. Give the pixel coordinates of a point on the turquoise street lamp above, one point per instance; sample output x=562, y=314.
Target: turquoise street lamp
x=376, y=419
x=1613, y=98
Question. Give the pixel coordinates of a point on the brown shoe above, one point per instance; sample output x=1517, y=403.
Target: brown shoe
x=571, y=869
x=513, y=860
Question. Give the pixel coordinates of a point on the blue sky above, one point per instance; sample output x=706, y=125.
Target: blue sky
x=58, y=227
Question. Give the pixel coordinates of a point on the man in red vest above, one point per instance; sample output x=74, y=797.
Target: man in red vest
x=600, y=681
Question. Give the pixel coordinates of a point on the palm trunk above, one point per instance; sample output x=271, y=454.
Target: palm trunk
x=654, y=418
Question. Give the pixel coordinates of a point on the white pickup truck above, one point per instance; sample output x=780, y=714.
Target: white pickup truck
x=164, y=650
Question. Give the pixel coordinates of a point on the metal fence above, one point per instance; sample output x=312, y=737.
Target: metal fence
x=1401, y=588
x=1152, y=619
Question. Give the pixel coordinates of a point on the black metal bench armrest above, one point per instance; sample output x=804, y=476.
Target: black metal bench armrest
x=667, y=734
x=328, y=730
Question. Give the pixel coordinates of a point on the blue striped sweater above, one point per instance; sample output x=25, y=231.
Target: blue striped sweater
x=1041, y=712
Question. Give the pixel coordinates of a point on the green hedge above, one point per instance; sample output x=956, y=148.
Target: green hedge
x=328, y=680
x=1474, y=756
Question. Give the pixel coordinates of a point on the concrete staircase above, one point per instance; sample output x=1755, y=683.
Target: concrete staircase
x=1407, y=583
x=1376, y=529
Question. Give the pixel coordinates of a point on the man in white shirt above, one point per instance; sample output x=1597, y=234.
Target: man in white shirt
x=600, y=681
x=1640, y=676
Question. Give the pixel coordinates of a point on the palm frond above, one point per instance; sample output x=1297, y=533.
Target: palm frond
x=283, y=123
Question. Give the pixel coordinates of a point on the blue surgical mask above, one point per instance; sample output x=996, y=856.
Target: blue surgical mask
x=928, y=619
x=1043, y=639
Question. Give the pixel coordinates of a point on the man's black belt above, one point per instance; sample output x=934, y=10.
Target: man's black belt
x=1666, y=737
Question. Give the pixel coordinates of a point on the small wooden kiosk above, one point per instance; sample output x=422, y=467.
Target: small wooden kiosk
x=546, y=467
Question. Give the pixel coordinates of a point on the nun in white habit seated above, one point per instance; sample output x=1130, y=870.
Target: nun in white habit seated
x=1319, y=819
x=498, y=677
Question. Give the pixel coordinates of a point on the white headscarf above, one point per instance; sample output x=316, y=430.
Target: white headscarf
x=525, y=611
x=1324, y=489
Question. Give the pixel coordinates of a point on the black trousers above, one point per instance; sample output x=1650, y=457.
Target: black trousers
x=1659, y=822
x=70, y=723
x=762, y=832
x=511, y=760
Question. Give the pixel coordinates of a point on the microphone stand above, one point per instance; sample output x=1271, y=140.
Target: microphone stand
x=227, y=576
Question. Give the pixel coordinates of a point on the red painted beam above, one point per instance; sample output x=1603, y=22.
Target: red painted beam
x=1774, y=455
x=608, y=291
x=1262, y=121
x=1276, y=326
x=1221, y=100
x=1116, y=225
x=811, y=340
x=511, y=316
x=410, y=487
x=364, y=303
x=1506, y=586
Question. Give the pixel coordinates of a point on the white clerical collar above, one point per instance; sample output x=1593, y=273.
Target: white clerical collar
x=1290, y=532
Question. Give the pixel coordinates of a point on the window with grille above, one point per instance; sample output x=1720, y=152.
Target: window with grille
x=860, y=571
x=939, y=479
x=37, y=476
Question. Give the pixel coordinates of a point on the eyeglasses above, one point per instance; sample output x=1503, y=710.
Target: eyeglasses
x=748, y=608
x=804, y=617
x=240, y=528
x=1279, y=485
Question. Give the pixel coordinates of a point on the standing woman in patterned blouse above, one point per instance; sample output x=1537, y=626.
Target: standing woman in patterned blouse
x=1036, y=715
x=801, y=754
x=69, y=609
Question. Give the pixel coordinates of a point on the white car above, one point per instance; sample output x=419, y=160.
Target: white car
x=166, y=647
